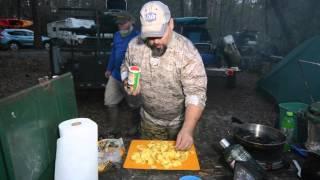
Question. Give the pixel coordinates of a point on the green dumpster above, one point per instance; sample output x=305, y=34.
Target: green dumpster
x=28, y=128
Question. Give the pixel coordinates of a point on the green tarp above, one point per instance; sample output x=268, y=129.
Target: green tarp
x=296, y=78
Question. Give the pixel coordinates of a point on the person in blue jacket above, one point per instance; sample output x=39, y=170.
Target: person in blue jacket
x=114, y=91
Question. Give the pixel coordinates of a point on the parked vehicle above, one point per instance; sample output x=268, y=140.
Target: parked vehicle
x=194, y=28
x=55, y=29
x=15, y=39
x=15, y=23
x=247, y=42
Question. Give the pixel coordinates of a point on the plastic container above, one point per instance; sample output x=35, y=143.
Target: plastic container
x=134, y=76
x=313, y=118
x=294, y=107
x=189, y=177
x=297, y=109
x=287, y=126
x=236, y=152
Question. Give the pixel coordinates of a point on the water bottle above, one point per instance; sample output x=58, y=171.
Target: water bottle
x=236, y=152
x=287, y=128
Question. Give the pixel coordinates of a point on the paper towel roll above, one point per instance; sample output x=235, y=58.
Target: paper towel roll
x=77, y=126
x=77, y=150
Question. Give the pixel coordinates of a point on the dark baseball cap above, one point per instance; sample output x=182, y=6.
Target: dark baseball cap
x=123, y=17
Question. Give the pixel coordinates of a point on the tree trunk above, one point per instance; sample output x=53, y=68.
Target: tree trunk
x=36, y=24
x=195, y=7
x=181, y=8
x=283, y=23
x=266, y=18
x=203, y=8
x=242, y=16
x=221, y=18
x=19, y=9
x=188, y=7
x=11, y=6
x=228, y=19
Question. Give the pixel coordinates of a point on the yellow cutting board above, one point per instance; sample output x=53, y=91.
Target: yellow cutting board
x=191, y=163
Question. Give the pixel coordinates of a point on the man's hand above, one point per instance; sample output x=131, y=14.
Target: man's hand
x=185, y=137
x=184, y=140
x=130, y=90
x=107, y=74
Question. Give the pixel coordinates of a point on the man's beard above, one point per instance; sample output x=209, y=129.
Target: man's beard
x=157, y=52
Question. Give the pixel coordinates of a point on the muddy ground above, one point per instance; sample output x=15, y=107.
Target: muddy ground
x=20, y=70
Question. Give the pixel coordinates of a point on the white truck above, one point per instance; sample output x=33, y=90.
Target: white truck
x=57, y=30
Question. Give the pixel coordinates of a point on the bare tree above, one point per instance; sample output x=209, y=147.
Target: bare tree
x=221, y=17
x=36, y=24
x=242, y=17
x=19, y=9
x=188, y=7
x=266, y=17
x=181, y=8
x=287, y=33
x=203, y=8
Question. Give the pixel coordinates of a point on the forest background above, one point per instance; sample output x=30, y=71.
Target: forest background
x=282, y=23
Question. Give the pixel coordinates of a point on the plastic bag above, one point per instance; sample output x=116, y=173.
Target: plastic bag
x=110, y=152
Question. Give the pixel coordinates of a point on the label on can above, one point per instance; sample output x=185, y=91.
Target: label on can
x=134, y=76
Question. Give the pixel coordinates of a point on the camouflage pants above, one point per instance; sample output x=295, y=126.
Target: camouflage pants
x=150, y=130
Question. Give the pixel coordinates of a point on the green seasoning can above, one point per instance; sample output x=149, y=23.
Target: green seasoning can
x=134, y=76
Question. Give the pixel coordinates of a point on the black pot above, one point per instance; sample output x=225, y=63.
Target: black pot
x=263, y=142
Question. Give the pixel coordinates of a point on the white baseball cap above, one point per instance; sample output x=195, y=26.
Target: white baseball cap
x=154, y=17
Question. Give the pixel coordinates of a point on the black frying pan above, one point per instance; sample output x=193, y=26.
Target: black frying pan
x=259, y=139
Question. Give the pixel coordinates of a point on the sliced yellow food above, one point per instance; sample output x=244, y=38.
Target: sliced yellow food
x=161, y=153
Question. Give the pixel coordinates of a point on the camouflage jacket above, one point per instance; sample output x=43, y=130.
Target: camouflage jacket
x=168, y=83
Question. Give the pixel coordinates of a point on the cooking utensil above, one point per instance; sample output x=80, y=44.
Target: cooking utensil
x=259, y=140
x=299, y=151
x=297, y=165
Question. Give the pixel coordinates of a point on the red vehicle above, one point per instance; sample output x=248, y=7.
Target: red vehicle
x=14, y=23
